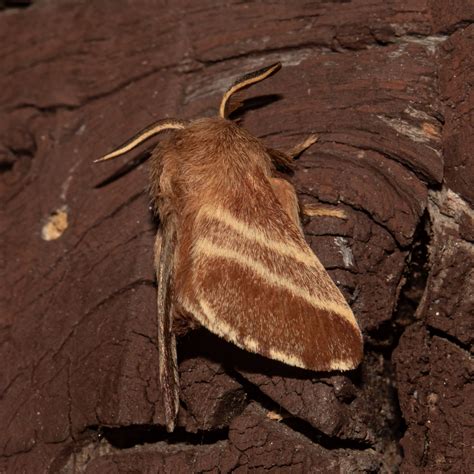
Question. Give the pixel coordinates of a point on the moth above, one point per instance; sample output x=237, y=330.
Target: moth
x=230, y=254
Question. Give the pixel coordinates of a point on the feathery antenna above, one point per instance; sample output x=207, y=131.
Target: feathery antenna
x=143, y=135
x=244, y=82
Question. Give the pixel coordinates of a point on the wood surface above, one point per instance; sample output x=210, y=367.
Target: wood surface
x=387, y=86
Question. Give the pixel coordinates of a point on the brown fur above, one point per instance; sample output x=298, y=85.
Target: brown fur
x=214, y=165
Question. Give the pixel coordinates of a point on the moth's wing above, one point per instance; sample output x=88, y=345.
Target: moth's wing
x=251, y=278
x=286, y=196
x=168, y=366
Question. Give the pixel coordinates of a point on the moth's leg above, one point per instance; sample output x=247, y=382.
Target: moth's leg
x=168, y=365
x=288, y=199
x=319, y=210
x=285, y=159
x=302, y=146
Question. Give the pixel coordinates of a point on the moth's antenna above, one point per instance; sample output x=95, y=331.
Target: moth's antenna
x=143, y=135
x=244, y=82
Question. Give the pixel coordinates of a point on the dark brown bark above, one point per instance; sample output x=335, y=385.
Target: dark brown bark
x=386, y=85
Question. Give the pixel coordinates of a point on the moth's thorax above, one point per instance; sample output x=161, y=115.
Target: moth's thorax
x=211, y=157
x=213, y=142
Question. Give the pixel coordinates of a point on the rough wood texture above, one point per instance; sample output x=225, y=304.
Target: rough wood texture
x=386, y=85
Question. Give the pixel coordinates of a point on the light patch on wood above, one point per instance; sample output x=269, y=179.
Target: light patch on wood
x=208, y=248
x=418, y=114
x=55, y=224
x=202, y=88
x=417, y=134
x=345, y=251
x=286, y=248
x=432, y=399
x=430, y=42
x=273, y=415
x=67, y=183
x=431, y=130
x=428, y=126
x=450, y=211
x=83, y=455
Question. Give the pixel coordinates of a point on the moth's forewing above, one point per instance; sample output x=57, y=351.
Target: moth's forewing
x=252, y=279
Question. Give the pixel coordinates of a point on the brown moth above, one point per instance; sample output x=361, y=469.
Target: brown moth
x=230, y=254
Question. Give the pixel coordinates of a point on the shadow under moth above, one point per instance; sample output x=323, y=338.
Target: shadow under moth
x=230, y=253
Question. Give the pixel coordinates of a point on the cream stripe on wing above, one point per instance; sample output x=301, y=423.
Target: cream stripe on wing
x=286, y=248
x=208, y=248
x=219, y=327
x=341, y=364
x=207, y=317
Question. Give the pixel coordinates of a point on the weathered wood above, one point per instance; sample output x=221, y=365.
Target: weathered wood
x=385, y=85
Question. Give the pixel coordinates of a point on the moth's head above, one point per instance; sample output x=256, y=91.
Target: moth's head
x=229, y=104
